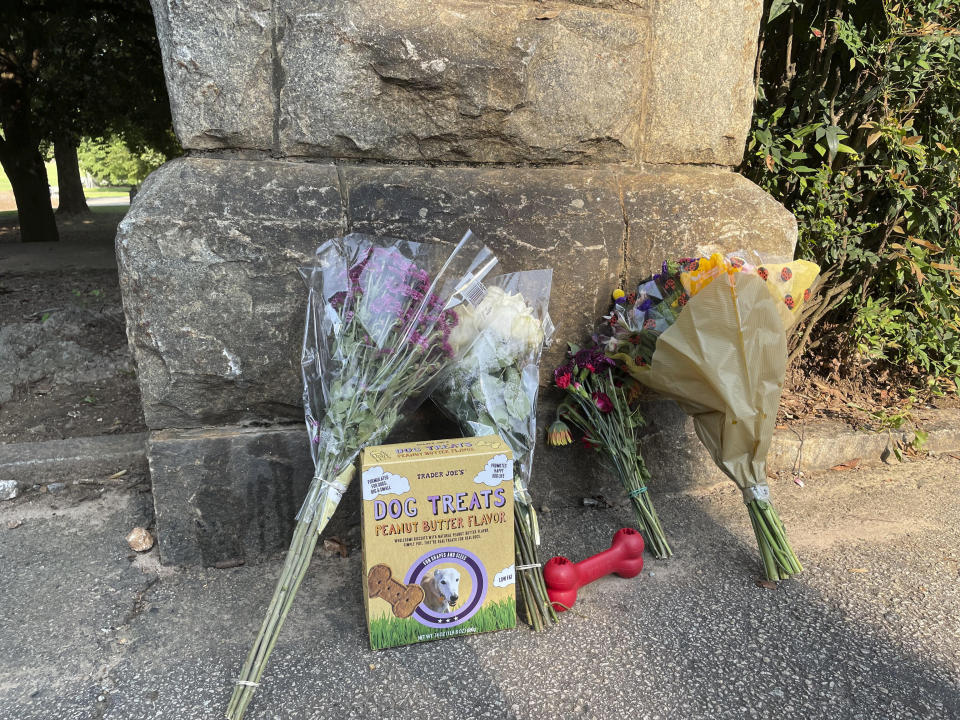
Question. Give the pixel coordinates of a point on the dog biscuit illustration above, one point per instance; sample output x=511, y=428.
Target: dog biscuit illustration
x=402, y=598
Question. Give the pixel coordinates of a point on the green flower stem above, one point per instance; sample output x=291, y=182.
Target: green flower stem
x=368, y=401
x=615, y=433
x=306, y=534
x=538, y=609
x=779, y=560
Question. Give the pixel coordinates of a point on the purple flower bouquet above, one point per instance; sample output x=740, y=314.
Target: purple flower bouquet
x=379, y=317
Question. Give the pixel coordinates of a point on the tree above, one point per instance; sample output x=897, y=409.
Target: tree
x=21, y=55
x=72, y=199
x=70, y=69
x=110, y=160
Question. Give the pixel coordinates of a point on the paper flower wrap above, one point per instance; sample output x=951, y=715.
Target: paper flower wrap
x=710, y=333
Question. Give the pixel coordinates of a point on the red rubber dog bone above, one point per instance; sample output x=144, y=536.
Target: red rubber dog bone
x=564, y=578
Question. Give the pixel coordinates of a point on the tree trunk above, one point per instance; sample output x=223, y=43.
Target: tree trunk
x=72, y=200
x=23, y=165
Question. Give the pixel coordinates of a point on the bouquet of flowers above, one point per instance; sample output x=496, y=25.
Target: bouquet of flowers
x=493, y=389
x=598, y=404
x=711, y=334
x=380, y=316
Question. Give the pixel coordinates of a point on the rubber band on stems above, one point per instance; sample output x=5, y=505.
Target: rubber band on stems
x=338, y=487
x=639, y=491
x=756, y=492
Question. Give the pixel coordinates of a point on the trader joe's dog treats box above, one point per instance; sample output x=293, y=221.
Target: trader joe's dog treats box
x=437, y=539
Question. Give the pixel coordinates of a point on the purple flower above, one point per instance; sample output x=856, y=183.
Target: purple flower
x=663, y=271
x=393, y=306
x=417, y=276
x=419, y=340
x=593, y=359
x=412, y=293
x=357, y=270
x=646, y=304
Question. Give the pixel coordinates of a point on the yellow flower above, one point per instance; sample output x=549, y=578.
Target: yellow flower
x=707, y=270
x=558, y=434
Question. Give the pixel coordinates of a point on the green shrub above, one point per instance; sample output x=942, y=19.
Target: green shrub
x=856, y=131
x=111, y=162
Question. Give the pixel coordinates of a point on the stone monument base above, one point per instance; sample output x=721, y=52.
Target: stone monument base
x=208, y=258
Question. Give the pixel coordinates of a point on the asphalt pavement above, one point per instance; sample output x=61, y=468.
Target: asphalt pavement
x=871, y=629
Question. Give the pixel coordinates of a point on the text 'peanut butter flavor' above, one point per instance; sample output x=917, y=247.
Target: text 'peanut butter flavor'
x=437, y=539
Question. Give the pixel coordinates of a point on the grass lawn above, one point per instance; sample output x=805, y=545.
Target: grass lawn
x=102, y=192
x=98, y=192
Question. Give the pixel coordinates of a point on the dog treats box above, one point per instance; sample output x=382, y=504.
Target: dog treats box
x=437, y=539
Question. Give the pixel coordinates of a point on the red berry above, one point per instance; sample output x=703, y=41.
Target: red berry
x=762, y=272
x=788, y=299
x=786, y=274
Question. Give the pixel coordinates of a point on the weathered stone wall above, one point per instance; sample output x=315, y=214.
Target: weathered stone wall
x=464, y=80
x=595, y=137
x=212, y=246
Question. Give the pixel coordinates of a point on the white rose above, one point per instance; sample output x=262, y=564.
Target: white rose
x=498, y=310
x=527, y=332
x=466, y=330
x=505, y=324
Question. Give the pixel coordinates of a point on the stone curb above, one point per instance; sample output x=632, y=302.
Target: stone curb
x=73, y=459
x=817, y=445
x=823, y=444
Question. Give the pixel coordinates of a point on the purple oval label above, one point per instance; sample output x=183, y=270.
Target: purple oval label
x=463, y=559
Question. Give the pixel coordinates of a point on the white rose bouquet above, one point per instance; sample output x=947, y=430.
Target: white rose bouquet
x=492, y=388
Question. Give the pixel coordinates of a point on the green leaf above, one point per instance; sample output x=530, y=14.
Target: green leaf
x=920, y=438
x=476, y=390
x=515, y=397
x=778, y=8
x=831, y=133
x=339, y=408
x=493, y=397
x=367, y=427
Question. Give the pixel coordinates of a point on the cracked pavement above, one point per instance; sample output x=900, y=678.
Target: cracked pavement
x=870, y=629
